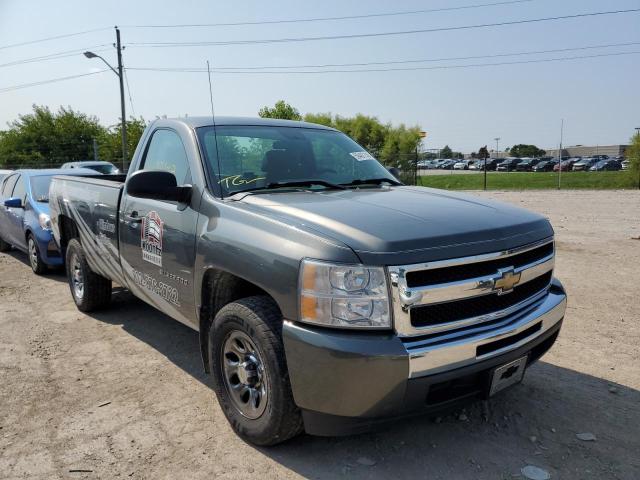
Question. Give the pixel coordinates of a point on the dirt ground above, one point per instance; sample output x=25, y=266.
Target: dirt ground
x=121, y=394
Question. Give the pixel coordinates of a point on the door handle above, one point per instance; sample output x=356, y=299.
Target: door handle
x=133, y=217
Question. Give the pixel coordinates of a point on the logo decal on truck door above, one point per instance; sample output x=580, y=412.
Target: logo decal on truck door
x=151, y=238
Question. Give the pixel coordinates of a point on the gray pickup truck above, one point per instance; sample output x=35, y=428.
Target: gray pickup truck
x=328, y=296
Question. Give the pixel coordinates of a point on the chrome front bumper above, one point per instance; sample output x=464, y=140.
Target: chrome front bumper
x=435, y=355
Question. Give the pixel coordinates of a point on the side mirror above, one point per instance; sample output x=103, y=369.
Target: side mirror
x=13, y=202
x=395, y=172
x=157, y=185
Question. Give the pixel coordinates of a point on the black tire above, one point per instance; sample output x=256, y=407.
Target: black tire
x=35, y=260
x=261, y=321
x=4, y=246
x=95, y=291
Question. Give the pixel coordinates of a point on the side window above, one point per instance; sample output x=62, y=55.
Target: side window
x=20, y=190
x=9, y=183
x=166, y=152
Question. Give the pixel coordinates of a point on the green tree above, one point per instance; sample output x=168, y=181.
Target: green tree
x=483, y=152
x=319, y=118
x=280, y=110
x=46, y=138
x=110, y=143
x=446, y=152
x=522, y=150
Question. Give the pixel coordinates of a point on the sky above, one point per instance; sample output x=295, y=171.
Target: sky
x=463, y=107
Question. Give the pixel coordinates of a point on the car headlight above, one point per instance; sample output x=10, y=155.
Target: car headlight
x=45, y=221
x=340, y=295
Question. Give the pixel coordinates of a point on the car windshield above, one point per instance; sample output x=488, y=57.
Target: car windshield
x=268, y=157
x=104, y=168
x=40, y=187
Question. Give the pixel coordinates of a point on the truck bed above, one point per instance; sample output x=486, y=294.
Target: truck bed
x=93, y=203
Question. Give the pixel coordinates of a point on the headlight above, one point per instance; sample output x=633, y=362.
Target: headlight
x=45, y=221
x=339, y=295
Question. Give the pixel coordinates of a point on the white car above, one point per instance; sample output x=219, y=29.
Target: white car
x=462, y=165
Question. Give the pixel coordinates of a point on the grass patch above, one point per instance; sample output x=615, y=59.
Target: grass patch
x=532, y=181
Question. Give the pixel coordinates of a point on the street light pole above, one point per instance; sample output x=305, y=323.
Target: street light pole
x=120, y=74
x=122, y=110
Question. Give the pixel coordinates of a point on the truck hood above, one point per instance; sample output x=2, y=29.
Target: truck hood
x=401, y=225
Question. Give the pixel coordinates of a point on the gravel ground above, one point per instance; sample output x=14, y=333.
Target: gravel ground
x=121, y=394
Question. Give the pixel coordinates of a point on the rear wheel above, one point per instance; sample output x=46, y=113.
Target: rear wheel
x=89, y=290
x=35, y=260
x=250, y=373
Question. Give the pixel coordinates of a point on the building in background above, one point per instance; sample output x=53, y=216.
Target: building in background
x=588, y=151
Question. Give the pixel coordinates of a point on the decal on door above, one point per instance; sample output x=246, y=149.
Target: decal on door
x=151, y=238
x=167, y=292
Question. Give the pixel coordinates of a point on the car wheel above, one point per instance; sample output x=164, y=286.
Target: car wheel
x=4, y=246
x=35, y=260
x=250, y=373
x=89, y=290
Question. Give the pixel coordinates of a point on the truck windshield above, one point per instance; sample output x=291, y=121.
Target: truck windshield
x=269, y=157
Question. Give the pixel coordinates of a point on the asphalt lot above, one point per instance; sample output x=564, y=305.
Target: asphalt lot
x=121, y=393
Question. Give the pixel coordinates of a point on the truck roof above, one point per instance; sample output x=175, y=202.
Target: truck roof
x=195, y=122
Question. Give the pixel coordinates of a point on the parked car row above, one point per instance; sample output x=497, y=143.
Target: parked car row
x=597, y=163
x=24, y=210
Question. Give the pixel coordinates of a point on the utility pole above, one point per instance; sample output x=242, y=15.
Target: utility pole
x=560, y=153
x=122, y=110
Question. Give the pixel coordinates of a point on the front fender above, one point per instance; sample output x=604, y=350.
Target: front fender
x=260, y=250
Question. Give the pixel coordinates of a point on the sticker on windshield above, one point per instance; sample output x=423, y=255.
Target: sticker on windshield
x=361, y=156
x=151, y=238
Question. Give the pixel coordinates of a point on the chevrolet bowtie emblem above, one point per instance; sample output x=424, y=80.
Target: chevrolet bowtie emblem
x=506, y=281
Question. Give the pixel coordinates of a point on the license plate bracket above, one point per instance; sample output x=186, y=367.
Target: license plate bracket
x=508, y=374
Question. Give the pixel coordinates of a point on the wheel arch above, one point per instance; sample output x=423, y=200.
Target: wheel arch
x=219, y=288
x=68, y=231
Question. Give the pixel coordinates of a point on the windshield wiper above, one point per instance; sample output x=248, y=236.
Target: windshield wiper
x=306, y=183
x=373, y=181
x=292, y=183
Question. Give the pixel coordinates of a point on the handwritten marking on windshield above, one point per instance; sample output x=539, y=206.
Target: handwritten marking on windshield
x=238, y=181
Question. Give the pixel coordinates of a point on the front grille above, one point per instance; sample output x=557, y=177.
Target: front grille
x=422, y=278
x=429, y=315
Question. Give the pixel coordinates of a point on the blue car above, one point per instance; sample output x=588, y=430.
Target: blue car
x=24, y=215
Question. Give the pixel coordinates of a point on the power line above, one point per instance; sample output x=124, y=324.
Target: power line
x=376, y=34
x=325, y=19
x=56, y=37
x=55, y=56
x=403, y=69
x=44, y=82
x=396, y=62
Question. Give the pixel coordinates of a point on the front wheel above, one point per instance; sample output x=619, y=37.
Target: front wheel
x=35, y=260
x=89, y=290
x=250, y=373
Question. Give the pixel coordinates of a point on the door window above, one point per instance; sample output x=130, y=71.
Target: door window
x=166, y=152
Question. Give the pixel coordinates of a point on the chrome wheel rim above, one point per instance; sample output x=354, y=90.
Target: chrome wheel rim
x=244, y=375
x=33, y=254
x=77, y=278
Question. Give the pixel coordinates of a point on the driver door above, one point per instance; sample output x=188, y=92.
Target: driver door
x=157, y=237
